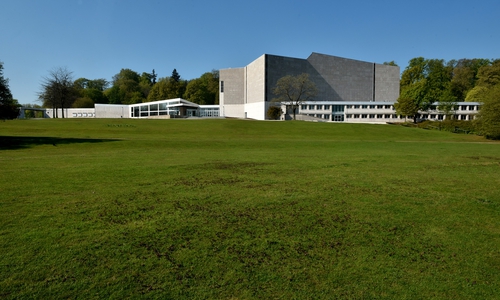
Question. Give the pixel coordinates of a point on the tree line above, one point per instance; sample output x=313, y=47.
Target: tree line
x=9, y=107
x=425, y=82
x=59, y=90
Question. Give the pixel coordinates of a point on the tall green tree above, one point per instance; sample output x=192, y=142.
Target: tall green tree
x=488, y=120
x=175, y=76
x=160, y=91
x=177, y=86
x=407, y=107
x=465, y=76
x=90, y=92
x=204, y=90
x=126, y=88
x=487, y=91
x=488, y=76
x=293, y=90
x=425, y=81
x=9, y=108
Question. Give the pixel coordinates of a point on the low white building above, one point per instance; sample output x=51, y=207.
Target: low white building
x=171, y=108
x=371, y=112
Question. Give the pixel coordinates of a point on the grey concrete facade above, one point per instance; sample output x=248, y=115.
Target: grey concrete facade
x=336, y=78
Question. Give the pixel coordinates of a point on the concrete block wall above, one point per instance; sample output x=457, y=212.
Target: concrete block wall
x=280, y=66
x=255, y=80
x=346, y=79
x=234, y=82
x=386, y=83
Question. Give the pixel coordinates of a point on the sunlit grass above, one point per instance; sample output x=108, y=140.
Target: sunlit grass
x=232, y=209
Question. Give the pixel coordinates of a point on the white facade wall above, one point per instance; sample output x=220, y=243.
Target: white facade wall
x=71, y=113
x=112, y=111
x=255, y=110
x=232, y=111
x=375, y=112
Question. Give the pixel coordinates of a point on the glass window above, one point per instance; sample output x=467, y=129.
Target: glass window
x=311, y=107
x=364, y=106
x=319, y=107
x=380, y=106
x=379, y=116
x=337, y=108
x=363, y=116
x=372, y=106
x=356, y=106
x=348, y=116
x=222, y=86
x=372, y=116
x=327, y=106
x=387, y=107
x=303, y=107
x=153, y=107
x=338, y=118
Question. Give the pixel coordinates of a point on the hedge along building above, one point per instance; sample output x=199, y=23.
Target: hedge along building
x=248, y=92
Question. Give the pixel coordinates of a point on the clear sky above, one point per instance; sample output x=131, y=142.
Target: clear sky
x=97, y=38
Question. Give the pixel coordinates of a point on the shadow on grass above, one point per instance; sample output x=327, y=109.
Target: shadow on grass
x=22, y=142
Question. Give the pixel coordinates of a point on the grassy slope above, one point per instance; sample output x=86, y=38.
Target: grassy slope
x=242, y=209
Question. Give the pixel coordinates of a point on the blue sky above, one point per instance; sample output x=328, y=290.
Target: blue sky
x=96, y=39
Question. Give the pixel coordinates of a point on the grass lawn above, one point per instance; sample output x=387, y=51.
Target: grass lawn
x=233, y=209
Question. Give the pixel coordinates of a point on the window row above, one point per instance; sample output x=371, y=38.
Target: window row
x=209, y=113
x=315, y=107
x=442, y=117
x=334, y=108
x=321, y=116
x=366, y=106
x=83, y=115
x=341, y=107
x=467, y=107
x=373, y=116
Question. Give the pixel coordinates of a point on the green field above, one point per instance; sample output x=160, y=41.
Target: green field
x=234, y=209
